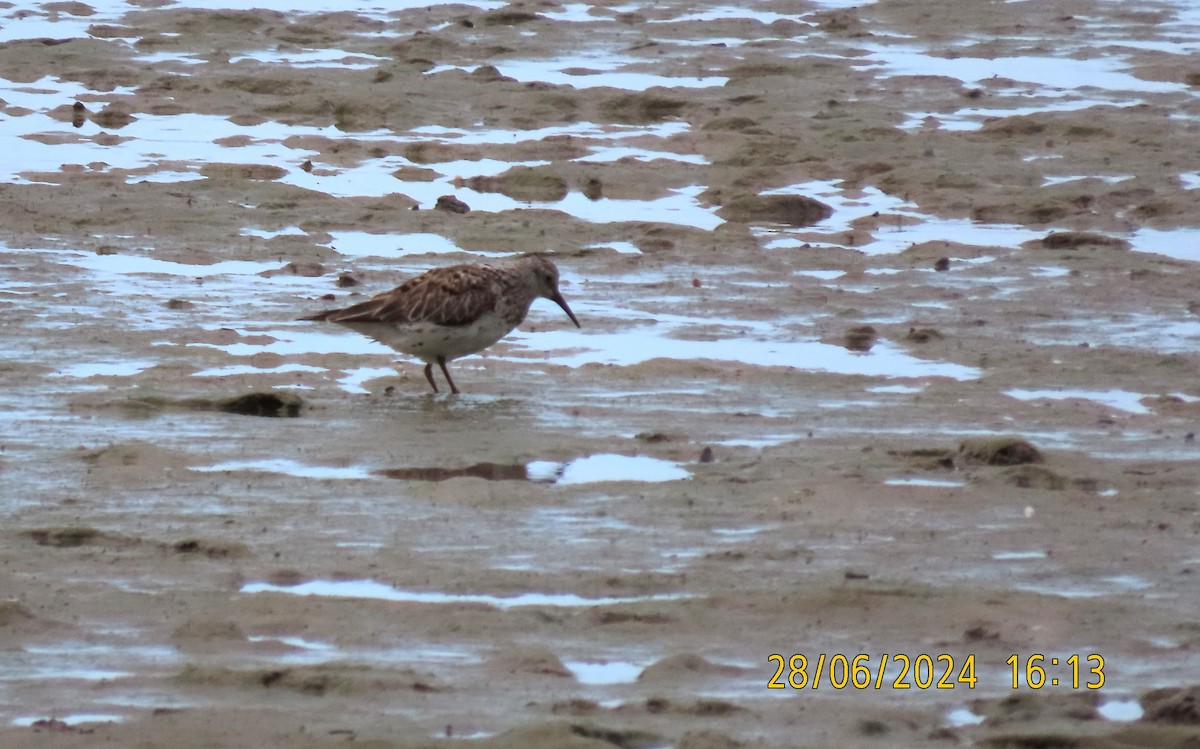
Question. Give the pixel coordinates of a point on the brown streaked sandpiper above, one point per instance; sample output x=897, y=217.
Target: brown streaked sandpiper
x=447, y=313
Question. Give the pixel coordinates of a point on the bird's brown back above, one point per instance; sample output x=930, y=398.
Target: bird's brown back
x=454, y=295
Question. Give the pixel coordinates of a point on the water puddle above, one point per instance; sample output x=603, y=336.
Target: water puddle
x=912, y=227
x=729, y=12
x=604, y=672
x=1063, y=179
x=384, y=592
x=287, y=468
x=962, y=717
x=1122, y=400
x=234, y=370
x=67, y=672
x=605, y=154
x=363, y=244
x=970, y=119
x=1181, y=244
x=174, y=148
x=733, y=535
x=1120, y=710
x=641, y=343
x=87, y=370
x=70, y=720
x=84, y=662
x=620, y=247
x=918, y=481
x=768, y=440
x=584, y=130
x=592, y=70
x=1054, y=74
x=313, y=58
x=586, y=470
x=1108, y=586
x=1144, y=331
x=904, y=389
x=1008, y=556
x=607, y=467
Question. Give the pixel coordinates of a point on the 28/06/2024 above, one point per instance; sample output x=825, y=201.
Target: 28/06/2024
x=926, y=671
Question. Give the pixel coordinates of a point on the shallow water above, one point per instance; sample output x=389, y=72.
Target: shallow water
x=372, y=589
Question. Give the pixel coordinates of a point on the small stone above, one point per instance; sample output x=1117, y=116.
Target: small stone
x=860, y=338
x=593, y=189
x=451, y=204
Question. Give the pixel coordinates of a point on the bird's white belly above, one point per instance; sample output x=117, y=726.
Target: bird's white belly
x=427, y=341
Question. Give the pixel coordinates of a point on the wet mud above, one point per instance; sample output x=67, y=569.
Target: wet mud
x=888, y=347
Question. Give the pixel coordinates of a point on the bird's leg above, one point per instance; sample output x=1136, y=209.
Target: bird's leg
x=441, y=360
x=429, y=375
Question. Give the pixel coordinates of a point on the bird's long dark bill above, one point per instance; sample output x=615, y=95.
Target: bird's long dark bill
x=557, y=299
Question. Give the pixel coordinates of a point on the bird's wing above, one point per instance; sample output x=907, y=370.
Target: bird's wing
x=455, y=295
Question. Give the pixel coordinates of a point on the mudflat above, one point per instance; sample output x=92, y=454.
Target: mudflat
x=888, y=360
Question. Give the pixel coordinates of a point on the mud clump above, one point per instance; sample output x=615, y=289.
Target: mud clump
x=1172, y=705
x=999, y=451
x=451, y=204
x=261, y=404
x=860, y=338
x=210, y=549
x=13, y=614
x=575, y=706
x=249, y=404
x=304, y=270
x=65, y=538
x=708, y=740
x=506, y=17
x=1024, y=709
x=654, y=438
x=1035, y=477
x=641, y=109
x=927, y=458
x=841, y=22
x=489, y=74
x=793, y=210
x=671, y=669
x=1074, y=240
x=531, y=660
x=626, y=739
x=569, y=735
x=328, y=678
x=631, y=617
x=114, y=116
x=489, y=471
x=258, y=172
x=707, y=708
x=525, y=184
x=738, y=124
x=923, y=335
x=208, y=630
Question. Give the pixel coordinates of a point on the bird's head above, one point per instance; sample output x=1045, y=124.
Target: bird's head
x=545, y=278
